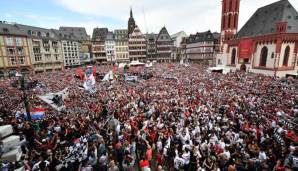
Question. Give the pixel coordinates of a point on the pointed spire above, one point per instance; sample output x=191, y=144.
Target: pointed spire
x=131, y=12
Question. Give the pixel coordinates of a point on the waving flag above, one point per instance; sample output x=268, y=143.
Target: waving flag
x=36, y=113
x=79, y=73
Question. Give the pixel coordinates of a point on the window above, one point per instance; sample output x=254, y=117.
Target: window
x=21, y=60
x=11, y=51
x=263, y=56
x=18, y=41
x=235, y=20
x=272, y=55
x=20, y=51
x=9, y=41
x=286, y=56
x=5, y=30
x=13, y=60
x=229, y=21
x=37, y=57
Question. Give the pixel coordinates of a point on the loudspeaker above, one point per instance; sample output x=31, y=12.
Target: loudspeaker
x=10, y=142
x=13, y=155
x=5, y=130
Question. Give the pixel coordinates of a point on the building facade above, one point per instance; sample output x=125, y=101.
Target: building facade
x=98, y=44
x=137, y=45
x=110, y=47
x=14, y=50
x=177, y=39
x=45, y=48
x=200, y=48
x=84, y=42
x=121, y=45
x=164, y=45
x=151, y=46
x=266, y=44
x=70, y=48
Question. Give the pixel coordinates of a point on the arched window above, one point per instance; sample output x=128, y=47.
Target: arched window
x=233, y=57
x=263, y=57
x=235, y=20
x=223, y=22
x=286, y=56
x=230, y=6
x=229, y=21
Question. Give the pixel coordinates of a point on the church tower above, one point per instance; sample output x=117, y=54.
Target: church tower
x=229, y=19
x=131, y=23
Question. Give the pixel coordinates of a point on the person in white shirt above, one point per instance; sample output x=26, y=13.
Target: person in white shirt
x=178, y=162
x=262, y=156
x=186, y=157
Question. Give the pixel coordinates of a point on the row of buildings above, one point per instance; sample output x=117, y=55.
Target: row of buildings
x=26, y=48
x=266, y=44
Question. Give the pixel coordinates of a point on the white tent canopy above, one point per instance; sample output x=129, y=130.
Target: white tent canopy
x=136, y=63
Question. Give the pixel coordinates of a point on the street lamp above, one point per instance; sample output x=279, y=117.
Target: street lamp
x=25, y=98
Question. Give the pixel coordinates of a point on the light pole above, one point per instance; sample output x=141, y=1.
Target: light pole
x=25, y=98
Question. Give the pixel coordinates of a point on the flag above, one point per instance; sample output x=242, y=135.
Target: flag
x=49, y=99
x=89, y=84
x=79, y=73
x=36, y=113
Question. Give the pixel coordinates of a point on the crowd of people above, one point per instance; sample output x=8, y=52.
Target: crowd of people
x=181, y=118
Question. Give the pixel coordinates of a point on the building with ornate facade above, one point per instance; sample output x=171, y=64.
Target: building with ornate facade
x=98, y=44
x=164, y=45
x=45, y=48
x=137, y=45
x=14, y=50
x=266, y=44
x=200, y=47
x=151, y=46
x=121, y=45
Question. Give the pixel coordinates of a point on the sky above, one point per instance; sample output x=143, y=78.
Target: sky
x=190, y=16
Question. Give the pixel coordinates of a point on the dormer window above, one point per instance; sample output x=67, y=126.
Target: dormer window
x=39, y=33
x=48, y=34
x=29, y=32
x=5, y=30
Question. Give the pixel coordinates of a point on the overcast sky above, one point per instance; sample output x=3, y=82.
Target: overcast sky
x=150, y=15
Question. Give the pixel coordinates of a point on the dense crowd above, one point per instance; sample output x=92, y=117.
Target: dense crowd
x=182, y=118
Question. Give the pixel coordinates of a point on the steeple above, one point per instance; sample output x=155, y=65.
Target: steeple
x=131, y=23
x=131, y=16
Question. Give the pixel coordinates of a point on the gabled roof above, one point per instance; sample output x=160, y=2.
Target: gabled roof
x=99, y=34
x=10, y=29
x=265, y=19
x=200, y=37
x=163, y=35
x=79, y=32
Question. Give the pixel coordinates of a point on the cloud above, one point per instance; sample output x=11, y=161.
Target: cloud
x=188, y=15
x=40, y=17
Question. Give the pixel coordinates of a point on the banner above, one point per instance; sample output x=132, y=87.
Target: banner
x=245, y=48
x=89, y=84
x=56, y=100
